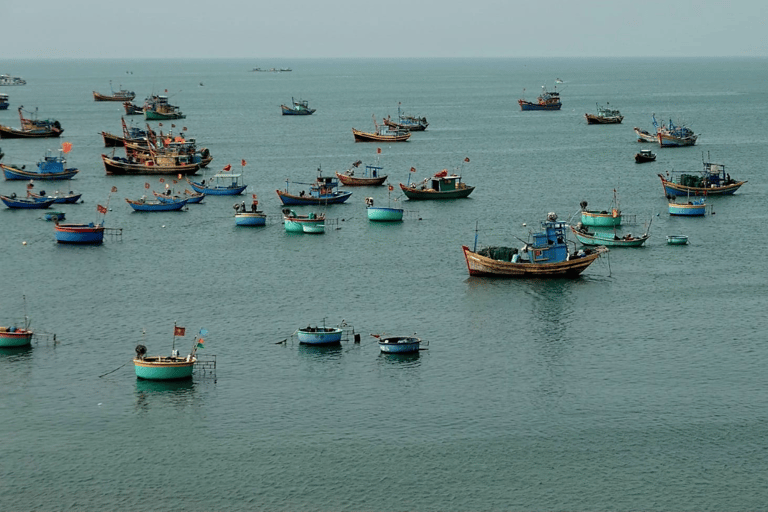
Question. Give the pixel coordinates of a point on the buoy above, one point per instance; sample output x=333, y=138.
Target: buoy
x=524, y=224
x=24, y=242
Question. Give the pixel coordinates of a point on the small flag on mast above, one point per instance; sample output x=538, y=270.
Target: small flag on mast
x=178, y=331
x=200, y=343
x=101, y=209
x=227, y=167
x=243, y=162
x=114, y=189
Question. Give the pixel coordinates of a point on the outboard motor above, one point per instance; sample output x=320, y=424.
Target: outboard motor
x=141, y=351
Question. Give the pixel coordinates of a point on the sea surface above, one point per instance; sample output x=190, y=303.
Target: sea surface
x=640, y=385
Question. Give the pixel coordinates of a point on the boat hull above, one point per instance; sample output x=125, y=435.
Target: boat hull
x=399, y=345
x=297, y=225
x=353, y=181
x=374, y=137
x=12, y=173
x=288, y=111
x=151, y=115
x=644, y=136
x=378, y=214
x=320, y=336
x=687, y=210
x=600, y=219
x=641, y=159
x=527, y=105
x=294, y=200
x=670, y=141
x=157, y=206
x=113, y=97
x=118, y=168
x=19, y=338
x=26, y=204
x=677, y=239
x=250, y=219
x=483, y=266
x=6, y=132
x=593, y=119
x=218, y=191
x=163, y=368
x=674, y=189
x=421, y=195
x=85, y=234
x=608, y=239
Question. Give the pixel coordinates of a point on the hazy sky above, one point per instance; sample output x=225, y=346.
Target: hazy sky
x=386, y=28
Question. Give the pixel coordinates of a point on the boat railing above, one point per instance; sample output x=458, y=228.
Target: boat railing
x=114, y=233
x=205, y=366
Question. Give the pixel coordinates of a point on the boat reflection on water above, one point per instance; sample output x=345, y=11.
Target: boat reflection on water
x=13, y=354
x=164, y=393
x=331, y=352
x=407, y=360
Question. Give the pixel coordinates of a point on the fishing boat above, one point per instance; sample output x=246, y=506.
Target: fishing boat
x=645, y=136
x=371, y=175
x=254, y=217
x=81, y=234
x=319, y=335
x=644, y=155
x=190, y=196
x=142, y=205
x=4, y=103
x=381, y=213
x=404, y=122
x=313, y=223
x=132, y=110
x=58, y=197
x=440, y=186
x=695, y=207
x=131, y=134
x=545, y=255
x=32, y=128
x=119, y=95
x=51, y=167
x=381, y=133
x=672, y=135
x=608, y=239
x=157, y=108
x=399, y=344
x=169, y=147
x=12, y=337
x=156, y=164
x=297, y=108
x=324, y=190
x=25, y=203
x=712, y=181
x=12, y=80
x=601, y=218
x=677, y=239
x=604, y=115
x=547, y=100
x=54, y=216
x=173, y=367
x=221, y=184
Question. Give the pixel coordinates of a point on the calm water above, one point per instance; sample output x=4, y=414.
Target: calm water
x=640, y=385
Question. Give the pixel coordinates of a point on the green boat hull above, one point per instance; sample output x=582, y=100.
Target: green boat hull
x=156, y=116
x=163, y=371
x=600, y=219
x=384, y=214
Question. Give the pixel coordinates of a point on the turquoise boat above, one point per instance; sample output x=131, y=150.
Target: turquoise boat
x=11, y=337
x=311, y=223
x=173, y=367
x=695, y=207
x=601, y=218
x=677, y=239
x=382, y=214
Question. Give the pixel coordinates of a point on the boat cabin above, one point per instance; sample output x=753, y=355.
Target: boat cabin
x=52, y=163
x=549, y=245
x=446, y=183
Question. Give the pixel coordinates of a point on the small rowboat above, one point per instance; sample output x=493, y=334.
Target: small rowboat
x=677, y=239
x=311, y=223
x=142, y=205
x=399, y=344
x=319, y=335
x=25, y=202
x=11, y=337
x=83, y=234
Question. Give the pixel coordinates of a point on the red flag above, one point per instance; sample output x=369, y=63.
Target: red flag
x=178, y=331
x=114, y=189
x=466, y=159
x=101, y=209
x=227, y=167
x=146, y=185
x=166, y=90
x=162, y=180
x=185, y=128
x=66, y=147
x=391, y=188
x=243, y=162
x=413, y=169
x=378, y=150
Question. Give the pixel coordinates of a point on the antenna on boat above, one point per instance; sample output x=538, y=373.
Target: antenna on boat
x=474, y=249
x=26, y=318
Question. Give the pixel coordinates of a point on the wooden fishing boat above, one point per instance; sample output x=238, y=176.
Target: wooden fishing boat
x=672, y=135
x=131, y=134
x=404, y=122
x=168, y=146
x=608, y=239
x=12, y=337
x=310, y=223
x=644, y=155
x=319, y=335
x=324, y=190
x=132, y=110
x=297, y=108
x=25, y=203
x=120, y=95
x=604, y=116
x=547, y=100
x=439, y=186
x=142, y=205
x=712, y=181
x=159, y=164
x=157, y=108
x=80, y=234
x=221, y=184
x=399, y=344
x=546, y=255
x=4, y=103
x=51, y=167
x=173, y=367
x=677, y=239
x=32, y=128
x=645, y=136
x=383, y=214
x=381, y=134
x=370, y=176
x=695, y=207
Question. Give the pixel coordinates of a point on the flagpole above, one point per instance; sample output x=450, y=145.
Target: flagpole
x=173, y=347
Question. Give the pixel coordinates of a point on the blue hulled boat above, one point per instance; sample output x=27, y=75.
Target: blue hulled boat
x=299, y=108
x=142, y=205
x=695, y=207
x=221, y=184
x=713, y=181
x=323, y=191
x=51, y=167
x=548, y=100
x=25, y=202
x=83, y=234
